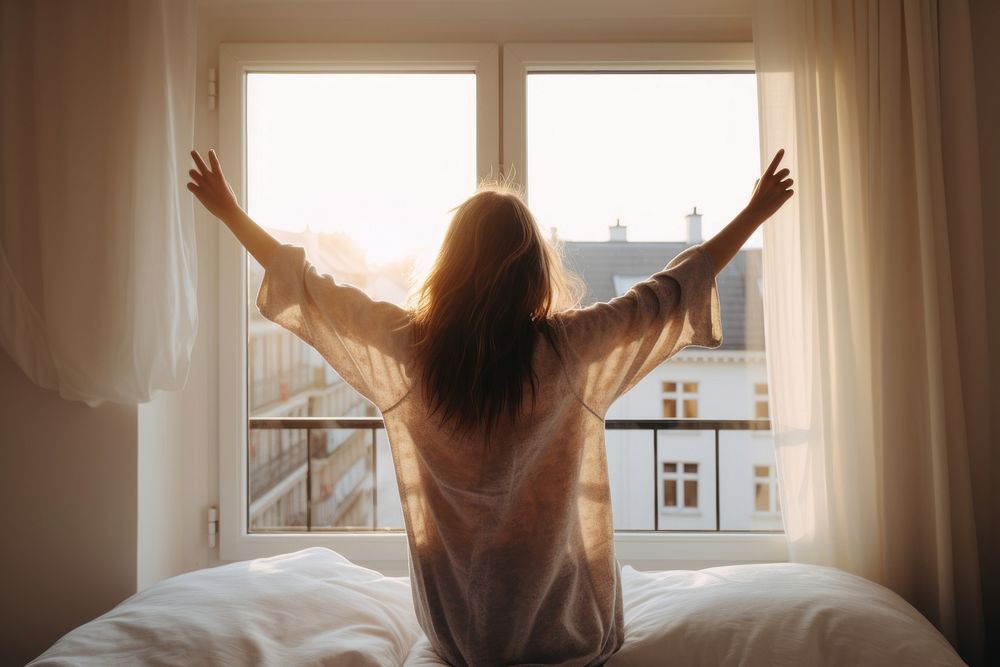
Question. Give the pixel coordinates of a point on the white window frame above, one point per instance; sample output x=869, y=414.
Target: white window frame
x=384, y=551
x=500, y=149
x=641, y=550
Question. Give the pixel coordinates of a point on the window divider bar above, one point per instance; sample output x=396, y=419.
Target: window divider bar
x=656, y=479
x=718, y=522
x=374, y=479
x=309, y=485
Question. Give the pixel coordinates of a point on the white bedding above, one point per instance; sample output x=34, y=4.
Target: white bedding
x=314, y=607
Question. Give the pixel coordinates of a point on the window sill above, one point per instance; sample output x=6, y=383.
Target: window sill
x=387, y=551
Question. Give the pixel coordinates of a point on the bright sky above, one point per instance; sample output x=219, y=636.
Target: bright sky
x=384, y=156
x=645, y=148
x=379, y=156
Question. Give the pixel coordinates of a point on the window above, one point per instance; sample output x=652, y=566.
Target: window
x=765, y=489
x=680, y=485
x=760, y=401
x=680, y=399
x=623, y=132
x=347, y=111
x=342, y=130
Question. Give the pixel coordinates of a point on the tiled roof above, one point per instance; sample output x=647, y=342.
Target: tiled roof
x=739, y=284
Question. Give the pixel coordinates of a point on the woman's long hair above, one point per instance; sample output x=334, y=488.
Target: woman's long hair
x=495, y=283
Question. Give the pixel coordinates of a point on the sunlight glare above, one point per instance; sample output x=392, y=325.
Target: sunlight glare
x=645, y=148
x=381, y=157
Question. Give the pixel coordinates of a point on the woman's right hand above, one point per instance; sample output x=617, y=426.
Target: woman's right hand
x=770, y=191
x=211, y=188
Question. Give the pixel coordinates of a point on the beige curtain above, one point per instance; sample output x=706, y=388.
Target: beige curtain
x=97, y=259
x=875, y=296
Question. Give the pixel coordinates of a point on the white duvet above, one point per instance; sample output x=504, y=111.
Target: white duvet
x=314, y=607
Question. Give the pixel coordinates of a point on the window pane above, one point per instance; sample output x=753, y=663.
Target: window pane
x=669, y=467
x=762, y=498
x=760, y=388
x=276, y=468
x=691, y=468
x=361, y=170
x=762, y=411
x=690, y=493
x=746, y=461
x=639, y=145
x=670, y=493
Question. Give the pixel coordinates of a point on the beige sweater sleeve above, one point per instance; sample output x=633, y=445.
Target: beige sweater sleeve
x=362, y=339
x=620, y=341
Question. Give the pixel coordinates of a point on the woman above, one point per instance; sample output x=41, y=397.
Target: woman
x=494, y=393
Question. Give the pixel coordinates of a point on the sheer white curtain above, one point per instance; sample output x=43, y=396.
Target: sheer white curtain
x=97, y=255
x=875, y=296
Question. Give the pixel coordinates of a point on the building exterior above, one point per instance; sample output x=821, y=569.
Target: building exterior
x=729, y=382
x=287, y=378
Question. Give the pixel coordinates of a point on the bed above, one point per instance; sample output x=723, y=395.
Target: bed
x=316, y=607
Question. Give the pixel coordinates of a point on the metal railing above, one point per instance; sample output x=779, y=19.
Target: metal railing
x=266, y=475
x=374, y=424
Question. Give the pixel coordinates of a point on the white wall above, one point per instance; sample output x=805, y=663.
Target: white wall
x=725, y=391
x=68, y=490
x=178, y=459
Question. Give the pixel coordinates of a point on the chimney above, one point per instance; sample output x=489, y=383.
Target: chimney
x=694, y=227
x=617, y=231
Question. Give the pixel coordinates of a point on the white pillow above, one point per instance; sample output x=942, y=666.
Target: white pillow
x=307, y=607
x=771, y=614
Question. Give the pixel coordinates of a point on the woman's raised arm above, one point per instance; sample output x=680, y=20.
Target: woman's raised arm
x=770, y=192
x=215, y=194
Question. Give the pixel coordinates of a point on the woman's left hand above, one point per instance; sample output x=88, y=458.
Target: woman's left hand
x=211, y=188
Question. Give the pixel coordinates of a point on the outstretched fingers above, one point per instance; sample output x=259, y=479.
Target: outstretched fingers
x=216, y=167
x=202, y=167
x=774, y=162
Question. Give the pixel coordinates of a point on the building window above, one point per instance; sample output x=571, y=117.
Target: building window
x=761, y=402
x=680, y=485
x=680, y=398
x=765, y=489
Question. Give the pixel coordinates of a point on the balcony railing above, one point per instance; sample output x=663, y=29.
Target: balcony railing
x=654, y=426
x=267, y=474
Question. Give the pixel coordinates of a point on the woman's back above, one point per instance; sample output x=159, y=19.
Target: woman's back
x=512, y=555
